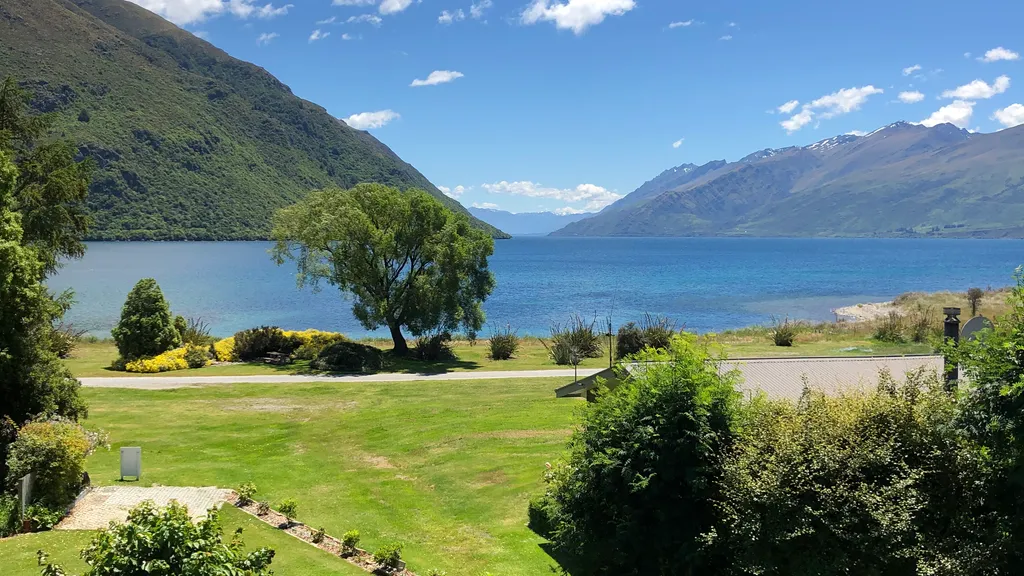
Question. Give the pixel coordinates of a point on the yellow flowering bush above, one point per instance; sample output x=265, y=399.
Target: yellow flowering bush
x=304, y=337
x=224, y=350
x=169, y=361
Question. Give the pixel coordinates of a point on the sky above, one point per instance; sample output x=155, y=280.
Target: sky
x=568, y=105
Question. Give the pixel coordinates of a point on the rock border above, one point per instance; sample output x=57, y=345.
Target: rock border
x=329, y=544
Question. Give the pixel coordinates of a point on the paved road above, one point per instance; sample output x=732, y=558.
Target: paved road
x=169, y=382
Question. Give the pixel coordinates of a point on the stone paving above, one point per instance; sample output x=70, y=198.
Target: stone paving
x=101, y=505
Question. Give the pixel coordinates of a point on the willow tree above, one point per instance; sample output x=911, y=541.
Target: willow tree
x=405, y=259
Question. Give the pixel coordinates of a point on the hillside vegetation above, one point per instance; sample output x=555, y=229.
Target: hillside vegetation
x=901, y=180
x=190, y=143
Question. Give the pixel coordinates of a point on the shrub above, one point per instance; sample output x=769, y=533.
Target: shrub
x=576, y=339
x=194, y=331
x=44, y=517
x=196, y=356
x=180, y=324
x=318, y=535
x=255, y=343
x=630, y=340
x=636, y=491
x=541, y=515
x=783, y=332
x=349, y=542
x=349, y=357
x=434, y=347
x=289, y=508
x=922, y=324
x=10, y=518
x=313, y=342
x=890, y=328
x=64, y=338
x=224, y=350
x=165, y=541
x=55, y=451
x=263, y=509
x=974, y=296
x=504, y=343
x=388, y=555
x=146, y=328
x=168, y=361
x=83, y=115
x=246, y=492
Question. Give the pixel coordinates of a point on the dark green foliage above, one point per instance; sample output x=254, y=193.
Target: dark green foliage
x=922, y=325
x=388, y=555
x=890, y=328
x=504, y=343
x=434, y=347
x=180, y=325
x=196, y=356
x=192, y=143
x=246, y=492
x=406, y=259
x=974, y=296
x=318, y=535
x=10, y=516
x=44, y=517
x=194, y=331
x=864, y=483
x=540, y=514
x=146, y=328
x=574, y=341
x=629, y=340
x=349, y=542
x=55, y=452
x=256, y=343
x=84, y=116
x=349, y=357
x=263, y=508
x=653, y=332
x=637, y=490
x=165, y=541
x=782, y=332
x=64, y=338
x=316, y=344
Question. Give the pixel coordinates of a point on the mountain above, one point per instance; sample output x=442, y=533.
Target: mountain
x=525, y=222
x=190, y=142
x=900, y=180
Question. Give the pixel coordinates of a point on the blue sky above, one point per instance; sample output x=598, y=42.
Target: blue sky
x=566, y=105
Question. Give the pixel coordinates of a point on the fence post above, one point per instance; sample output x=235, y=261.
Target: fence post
x=951, y=332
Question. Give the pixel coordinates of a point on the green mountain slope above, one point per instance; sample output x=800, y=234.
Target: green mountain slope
x=191, y=143
x=901, y=180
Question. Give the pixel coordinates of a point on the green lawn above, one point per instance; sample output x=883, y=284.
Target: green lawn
x=446, y=468
x=18, y=554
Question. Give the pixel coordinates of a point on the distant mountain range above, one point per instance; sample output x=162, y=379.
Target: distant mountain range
x=190, y=143
x=525, y=223
x=900, y=180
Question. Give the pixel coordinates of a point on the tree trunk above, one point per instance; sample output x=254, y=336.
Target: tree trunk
x=401, y=348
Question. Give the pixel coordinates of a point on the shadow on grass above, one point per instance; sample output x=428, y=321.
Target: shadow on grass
x=568, y=564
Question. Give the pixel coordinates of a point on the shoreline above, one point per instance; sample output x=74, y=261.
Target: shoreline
x=867, y=311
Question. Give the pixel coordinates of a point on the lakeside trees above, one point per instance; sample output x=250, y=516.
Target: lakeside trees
x=405, y=259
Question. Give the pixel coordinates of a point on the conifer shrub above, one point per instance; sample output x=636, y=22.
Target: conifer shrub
x=146, y=328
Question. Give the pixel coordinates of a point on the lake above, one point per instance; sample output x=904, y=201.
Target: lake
x=706, y=284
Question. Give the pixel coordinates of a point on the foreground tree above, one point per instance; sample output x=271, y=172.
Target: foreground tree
x=636, y=493
x=146, y=327
x=165, y=541
x=406, y=260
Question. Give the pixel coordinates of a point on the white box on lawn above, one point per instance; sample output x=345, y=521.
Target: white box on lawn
x=131, y=462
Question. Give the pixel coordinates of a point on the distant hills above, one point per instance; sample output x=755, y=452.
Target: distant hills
x=900, y=180
x=525, y=223
x=190, y=142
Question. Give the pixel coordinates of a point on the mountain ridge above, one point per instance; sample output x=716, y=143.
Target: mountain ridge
x=902, y=179
x=190, y=142
x=525, y=223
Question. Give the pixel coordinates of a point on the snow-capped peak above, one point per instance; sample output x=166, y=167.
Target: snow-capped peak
x=832, y=142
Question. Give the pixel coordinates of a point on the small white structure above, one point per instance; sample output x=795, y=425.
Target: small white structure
x=25, y=484
x=131, y=462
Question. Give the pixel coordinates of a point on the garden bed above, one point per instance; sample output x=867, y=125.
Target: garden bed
x=330, y=544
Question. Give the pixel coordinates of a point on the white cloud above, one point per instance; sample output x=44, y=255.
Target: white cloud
x=575, y=15
x=680, y=24
x=829, y=106
x=346, y=36
x=911, y=69
x=568, y=210
x=265, y=38
x=788, y=107
x=595, y=197
x=188, y=11
x=979, y=89
x=394, y=6
x=1000, y=53
x=371, y=120
x=856, y=133
x=453, y=192
x=967, y=54
x=447, y=17
x=958, y=113
x=1012, y=115
x=726, y=37
x=486, y=205
x=678, y=143
x=318, y=35
x=438, y=77
x=911, y=97
x=476, y=11
x=730, y=24
x=367, y=18
x=354, y=2
x=330, y=20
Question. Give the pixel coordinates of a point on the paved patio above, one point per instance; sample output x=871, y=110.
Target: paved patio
x=111, y=503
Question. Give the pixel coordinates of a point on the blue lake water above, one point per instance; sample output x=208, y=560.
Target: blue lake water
x=708, y=284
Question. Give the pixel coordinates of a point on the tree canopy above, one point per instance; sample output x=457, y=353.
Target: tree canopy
x=405, y=259
x=146, y=327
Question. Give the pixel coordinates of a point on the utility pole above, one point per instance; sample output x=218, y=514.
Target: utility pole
x=951, y=333
x=609, y=341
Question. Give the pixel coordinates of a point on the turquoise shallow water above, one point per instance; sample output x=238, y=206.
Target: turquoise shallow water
x=705, y=283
